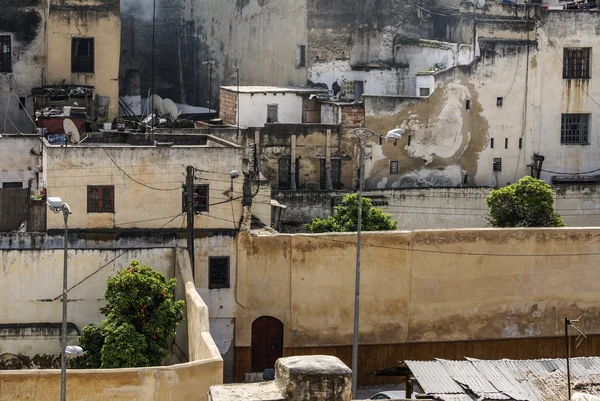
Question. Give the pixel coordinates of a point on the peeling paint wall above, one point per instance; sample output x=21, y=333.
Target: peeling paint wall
x=26, y=23
x=18, y=160
x=440, y=285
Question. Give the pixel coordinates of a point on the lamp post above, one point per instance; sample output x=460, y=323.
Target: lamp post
x=57, y=206
x=363, y=135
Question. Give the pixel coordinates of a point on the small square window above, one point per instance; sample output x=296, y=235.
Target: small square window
x=394, y=167
x=574, y=129
x=499, y=101
x=82, y=55
x=424, y=92
x=218, y=272
x=497, y=164
x=5, y=53
x=100, y=199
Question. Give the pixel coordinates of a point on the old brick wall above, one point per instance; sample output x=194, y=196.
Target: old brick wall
x=228, y=107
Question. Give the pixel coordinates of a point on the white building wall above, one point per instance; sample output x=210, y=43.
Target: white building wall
x=18, y=162
x=253, y=108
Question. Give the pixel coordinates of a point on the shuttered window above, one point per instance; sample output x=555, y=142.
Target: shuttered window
x=101, y=198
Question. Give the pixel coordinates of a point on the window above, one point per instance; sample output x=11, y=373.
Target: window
x=272, y=113
x=218, y=272
x=12, y=185
x=492, y=143
x=499, y=101
x=336, y=174
x=505, y=143
x=497, y=164
x=423, y=92
x=201, y=199
x=82, y=55
x=101, y=198
x=394, y=167
x=468, y=104
x=285, y=173
x=520, y=143
x=409, y=139
x=5, y=54
x=574, y=129
x=301, y=56
x=576, y=63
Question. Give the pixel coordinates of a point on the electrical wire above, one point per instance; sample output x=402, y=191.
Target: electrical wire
x=139, y=182
x=113, y=260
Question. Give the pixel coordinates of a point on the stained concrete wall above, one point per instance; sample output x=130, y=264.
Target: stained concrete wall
x=18, y=160
x=438, y=285
x=100, y=20
x=26, y=23
x=186, y=381
x=437, y=208
x=151, y=197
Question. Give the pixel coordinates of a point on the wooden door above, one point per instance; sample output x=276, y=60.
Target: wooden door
x=267, y=342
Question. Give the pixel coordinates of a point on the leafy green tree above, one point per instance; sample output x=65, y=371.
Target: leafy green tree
x=527, y=203
x=141, y=315
x=345, y=218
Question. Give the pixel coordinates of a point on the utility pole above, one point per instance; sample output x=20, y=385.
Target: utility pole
x=568, y=346
x=189, y=196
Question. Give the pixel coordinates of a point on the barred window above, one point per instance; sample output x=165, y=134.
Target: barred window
x=218, y=272
x=82, y=55
x=285, y=173
x=574, y=129
x=394, y=167
x=576, y=63
x=497, y=164
x=336, y=174
x=100, y=198
x=5, y=54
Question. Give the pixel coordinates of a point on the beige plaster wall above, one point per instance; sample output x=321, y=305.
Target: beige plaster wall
x=437, y=285
x=68, y=172
x=187, y=381
x=17, y=163
x=99, y=20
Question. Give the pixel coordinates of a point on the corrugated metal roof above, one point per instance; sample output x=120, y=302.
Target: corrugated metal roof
x=433, y=377
x=520, y=380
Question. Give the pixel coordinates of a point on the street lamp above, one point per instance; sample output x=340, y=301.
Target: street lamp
x=363, y=135
x=57, y=206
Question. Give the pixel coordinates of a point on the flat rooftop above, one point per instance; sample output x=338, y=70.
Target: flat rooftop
x=274, y=89
x=131, y=139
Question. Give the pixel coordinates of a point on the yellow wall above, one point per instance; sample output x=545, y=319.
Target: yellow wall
x=90, y=18
x=437, y=285
x=68, y=171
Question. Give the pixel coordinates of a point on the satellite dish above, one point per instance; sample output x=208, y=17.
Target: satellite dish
x=480, y=3
x=170, y=108
x=158, y=104
x=71, y=130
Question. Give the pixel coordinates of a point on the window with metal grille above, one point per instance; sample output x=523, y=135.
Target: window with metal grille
x=574, y=129
x=285, y=173
x=394, y=166
x=5, y=53
x=218, y=272
x=100, y=198
x=576, y=63
x=424, y=92
x=497, y=166
x=272, y=116
x=82, y=55
x=336, y=174
x=12, y=185
x=201, y=198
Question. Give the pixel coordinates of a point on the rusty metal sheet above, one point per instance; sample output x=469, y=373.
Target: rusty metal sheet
x=433, y=377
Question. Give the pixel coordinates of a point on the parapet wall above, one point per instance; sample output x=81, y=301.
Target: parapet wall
x=185, y=382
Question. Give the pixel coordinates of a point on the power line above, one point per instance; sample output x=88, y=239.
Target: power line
x=134, y=180
x=114, y=259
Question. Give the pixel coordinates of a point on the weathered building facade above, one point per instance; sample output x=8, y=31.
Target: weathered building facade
x=52, y=42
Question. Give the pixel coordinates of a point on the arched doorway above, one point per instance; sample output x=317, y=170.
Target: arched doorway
x=267, y=342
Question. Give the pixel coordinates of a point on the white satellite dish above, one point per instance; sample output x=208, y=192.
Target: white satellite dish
x=158, y=104
x=71, y=130
x=170, y=108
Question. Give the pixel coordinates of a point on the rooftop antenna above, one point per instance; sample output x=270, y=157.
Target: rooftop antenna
x=578, y=341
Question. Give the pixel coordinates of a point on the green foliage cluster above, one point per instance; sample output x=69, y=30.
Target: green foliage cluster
x=141, y=315
x=527, y=203
x=345, y=218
